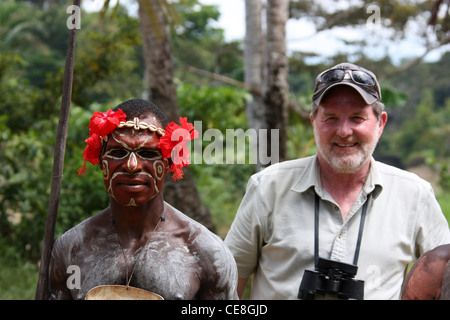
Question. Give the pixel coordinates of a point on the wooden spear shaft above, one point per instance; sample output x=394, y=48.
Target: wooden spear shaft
x=58, y=165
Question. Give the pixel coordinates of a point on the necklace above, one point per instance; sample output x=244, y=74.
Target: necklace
x=128, y=280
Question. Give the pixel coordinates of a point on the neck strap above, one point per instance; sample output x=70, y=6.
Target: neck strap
x=316, y=230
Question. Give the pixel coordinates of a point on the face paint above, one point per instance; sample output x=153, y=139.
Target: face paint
x=133, y=166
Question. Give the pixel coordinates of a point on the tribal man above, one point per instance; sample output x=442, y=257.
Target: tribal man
x=140, y=240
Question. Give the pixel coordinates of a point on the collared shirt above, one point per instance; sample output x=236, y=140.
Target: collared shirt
x=272, y=235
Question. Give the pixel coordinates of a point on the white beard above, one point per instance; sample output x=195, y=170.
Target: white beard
x=344, y=162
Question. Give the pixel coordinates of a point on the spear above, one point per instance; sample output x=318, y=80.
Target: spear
x=58, y=165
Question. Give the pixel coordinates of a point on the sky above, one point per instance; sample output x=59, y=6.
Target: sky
x=301, y=34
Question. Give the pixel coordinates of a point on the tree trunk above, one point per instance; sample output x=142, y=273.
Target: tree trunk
x=276, y=88
x=254, y=68
x=182, y=194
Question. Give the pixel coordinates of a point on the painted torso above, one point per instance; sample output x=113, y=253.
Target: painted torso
x=182, y=260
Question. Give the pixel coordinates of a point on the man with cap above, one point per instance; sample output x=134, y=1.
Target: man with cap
x=338, y=224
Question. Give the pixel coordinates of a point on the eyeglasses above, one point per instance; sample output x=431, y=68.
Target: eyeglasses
x=337, y=75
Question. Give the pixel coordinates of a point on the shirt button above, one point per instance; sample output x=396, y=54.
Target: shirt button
x=340, y=235
x=336, y=208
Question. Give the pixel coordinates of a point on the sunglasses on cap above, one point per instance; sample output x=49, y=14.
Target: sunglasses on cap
x=357, y=76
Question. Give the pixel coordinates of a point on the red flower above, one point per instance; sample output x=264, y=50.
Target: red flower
x=101, y=124
x=173, y=145
x=93, y=149
x=177, y=172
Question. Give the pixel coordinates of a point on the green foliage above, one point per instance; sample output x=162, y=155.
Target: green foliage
x=17, y=280
x=444, y=178
x=17, y=97
x=421, y=139
x=20, y=28
x=199, y=45
x=107, y=52
x=444, y=202
x=25, y=182
x=393, y=97
x=81, y=196
x=219, y=107
x=417, y=132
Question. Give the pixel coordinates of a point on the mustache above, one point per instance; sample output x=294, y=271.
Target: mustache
x=131, y=175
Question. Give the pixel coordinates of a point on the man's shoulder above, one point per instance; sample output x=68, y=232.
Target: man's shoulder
x=284, y=175
x=194, y=229
x=77, y=234
x=295, y=164
x=293, y=167
x=440, y=253
x=391, y=173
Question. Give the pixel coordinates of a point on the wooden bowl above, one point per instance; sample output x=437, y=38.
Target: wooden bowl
x=118, y=292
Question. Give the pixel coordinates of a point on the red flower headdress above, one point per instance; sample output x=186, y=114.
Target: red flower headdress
x=172, y=143
x=101, y=124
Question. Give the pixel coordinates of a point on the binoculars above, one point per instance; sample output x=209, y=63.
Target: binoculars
x=333, y=278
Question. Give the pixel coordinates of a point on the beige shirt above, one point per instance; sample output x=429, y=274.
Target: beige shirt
x=273, y=232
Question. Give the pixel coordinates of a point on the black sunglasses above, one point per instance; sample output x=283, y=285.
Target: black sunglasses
x=337, y=75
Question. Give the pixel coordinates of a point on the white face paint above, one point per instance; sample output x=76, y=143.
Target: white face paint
x=133, y=166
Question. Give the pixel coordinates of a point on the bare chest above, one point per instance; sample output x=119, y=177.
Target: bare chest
x=167, y=268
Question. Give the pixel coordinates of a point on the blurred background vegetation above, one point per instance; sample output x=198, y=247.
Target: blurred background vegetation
x=109, y=68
